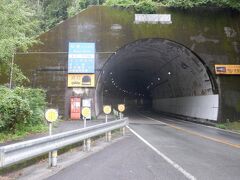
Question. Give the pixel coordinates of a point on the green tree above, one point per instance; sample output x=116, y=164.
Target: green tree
x=54, y=11
x=18, y=31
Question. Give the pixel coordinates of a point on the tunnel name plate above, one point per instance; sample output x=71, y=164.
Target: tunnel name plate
x=81, y=80
x=227, y=69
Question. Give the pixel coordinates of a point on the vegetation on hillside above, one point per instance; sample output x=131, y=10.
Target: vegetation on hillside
x=21, y=111
x=233, y=126
x=148, y=6
x=18, y=31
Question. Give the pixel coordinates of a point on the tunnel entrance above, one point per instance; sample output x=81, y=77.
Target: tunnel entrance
x=158, y=74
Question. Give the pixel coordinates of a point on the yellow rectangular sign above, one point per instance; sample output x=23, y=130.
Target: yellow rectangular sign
x=227, y=69
x=81, y=80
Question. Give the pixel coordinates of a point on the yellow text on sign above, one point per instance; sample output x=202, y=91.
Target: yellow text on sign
x=107, y=109
x=51, y=115
x=227, y=69
x=86, y=112
x=81, y=80
x=121, y=107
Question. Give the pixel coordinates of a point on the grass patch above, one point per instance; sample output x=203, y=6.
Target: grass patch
x=233, y=126
x=23, y=132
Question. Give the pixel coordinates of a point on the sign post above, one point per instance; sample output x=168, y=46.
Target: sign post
x=107, y=109
x=121, y=108
x=86, y=112
x=51, y=116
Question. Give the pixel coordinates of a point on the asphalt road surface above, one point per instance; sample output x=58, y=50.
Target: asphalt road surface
x=162, y=148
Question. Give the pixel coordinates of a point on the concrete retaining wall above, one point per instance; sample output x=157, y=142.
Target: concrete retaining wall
x=204, y=107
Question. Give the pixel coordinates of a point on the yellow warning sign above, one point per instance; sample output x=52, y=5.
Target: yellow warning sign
x=81, y=80
x=121, y=107
x=51, y=115
x=107, y=109
x=86, y=112
x=227, y=69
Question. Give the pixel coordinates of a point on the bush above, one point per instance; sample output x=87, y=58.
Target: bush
x=120, y=3
x=13, y=111
x=21, y=107
x=36, y=100
x=146, y=7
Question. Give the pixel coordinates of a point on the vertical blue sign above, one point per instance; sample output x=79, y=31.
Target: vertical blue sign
x=81, y=58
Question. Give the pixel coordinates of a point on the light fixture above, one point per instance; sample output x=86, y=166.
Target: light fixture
x=169, y=73
x=158, y=79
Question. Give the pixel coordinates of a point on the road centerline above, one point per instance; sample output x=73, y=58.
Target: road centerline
x=196, y=134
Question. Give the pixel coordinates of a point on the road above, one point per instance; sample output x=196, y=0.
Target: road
x=161, y=148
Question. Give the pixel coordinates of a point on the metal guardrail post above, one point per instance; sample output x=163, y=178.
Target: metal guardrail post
x=1, y=158
x=88, y=148
x=54, y=155
x=108, y=136
x=123, y=131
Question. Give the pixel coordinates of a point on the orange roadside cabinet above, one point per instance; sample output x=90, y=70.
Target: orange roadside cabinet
x=75, y=109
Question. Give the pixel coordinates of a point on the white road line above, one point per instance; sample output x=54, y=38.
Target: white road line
x=175, y=165
x=203, y=125
x=153, y=119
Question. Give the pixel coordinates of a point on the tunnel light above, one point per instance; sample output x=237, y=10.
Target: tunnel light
x=169, y=73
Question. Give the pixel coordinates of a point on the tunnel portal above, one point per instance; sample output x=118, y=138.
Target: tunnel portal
x=167, y=67
x=160, y=74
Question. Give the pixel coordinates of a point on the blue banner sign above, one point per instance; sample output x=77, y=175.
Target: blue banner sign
x=81, y=57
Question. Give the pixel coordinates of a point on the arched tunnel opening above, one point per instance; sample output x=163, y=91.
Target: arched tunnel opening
x=161, y=75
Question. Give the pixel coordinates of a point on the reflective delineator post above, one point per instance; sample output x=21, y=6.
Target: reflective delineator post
x=52, y=156
x=107, y=134
x=84, y=141
x=51, y=115
x=50, y=153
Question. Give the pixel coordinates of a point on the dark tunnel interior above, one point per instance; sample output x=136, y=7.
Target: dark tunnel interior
x=158, y=74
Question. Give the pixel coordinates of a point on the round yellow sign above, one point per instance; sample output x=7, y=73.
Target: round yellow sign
x=51, y=115
x=121, y=107
x=107, y=109
x=86, y=112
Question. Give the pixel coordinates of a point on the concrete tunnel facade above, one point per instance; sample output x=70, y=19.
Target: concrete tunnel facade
x=170, y=66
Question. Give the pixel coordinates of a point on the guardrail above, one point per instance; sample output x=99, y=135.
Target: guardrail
x=14, y=153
